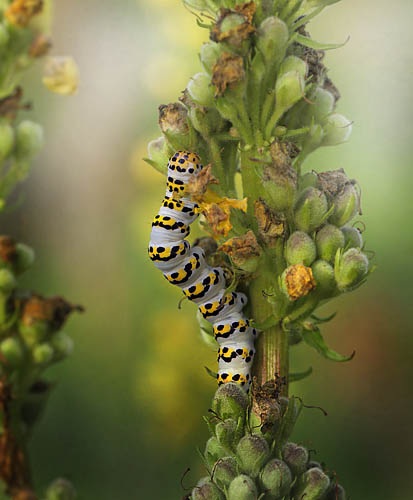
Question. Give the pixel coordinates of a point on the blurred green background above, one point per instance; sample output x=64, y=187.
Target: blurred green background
x=125, y=418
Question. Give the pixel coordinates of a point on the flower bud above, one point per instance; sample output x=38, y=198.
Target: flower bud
x=281, y=186
x=324, y=102
x=12, y=349
x=337, y=493
x=324, y=278
x=62, y=345
x=346, y=205
x=230, y=401
x=200, y=89
x=296, y=457
x=61, y=489
x=29, y=139
x=6, y=139
x=297, y=281
x=213, y=451
x=276, y=478
x=350, y=269
x=253, y=452
x=7, y=280
x=196, y=4
x=7, y=251
x=352, y=237
x=24, y=258
x=43, y=353
x=309, y=179
x=244, y=251
x=40, y=46
x=289, y=89
x=272, y=39
x=313, y=139
x=337, y=129
x=225, y=432
x=293, y=63
x=310, y=209
x=328, y=240
x=206, y=490
x=61, y=75
x=158, y=153
x=313, y=484
x=209, y=54
x=225, y=471
x=173, y=121
x=300, y=249
x=242, y=488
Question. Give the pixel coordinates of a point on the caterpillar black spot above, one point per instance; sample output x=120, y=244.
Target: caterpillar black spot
x=186, y=267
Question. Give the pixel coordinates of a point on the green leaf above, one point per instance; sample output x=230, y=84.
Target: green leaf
x=161, y=169
x=323, y=320
x=313, y=44
x=208, y=339
x=211, y=373
x=266, y=324
x=295, y=377
x=314, y=339
x=239, y=221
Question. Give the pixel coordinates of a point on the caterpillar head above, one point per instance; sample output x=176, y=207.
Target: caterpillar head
x=184, y=162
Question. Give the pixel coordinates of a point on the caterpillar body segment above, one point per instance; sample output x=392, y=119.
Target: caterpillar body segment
x=186, y=268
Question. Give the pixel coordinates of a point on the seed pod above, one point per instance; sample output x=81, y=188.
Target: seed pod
x=213, y=451
x=312, y=485
x=323, y=105
x=337, y=130
x=253, y=452
x=323, y=274
x=62, y=345
x=230, y=401
x=346, y=205
x=43, y=353
x=272, y=40
x=293, y=63
x=300, y=249
x=61, y=489
x=328, y=240
x=12, y=349
x=201, y=90
x=310, y=209
x=289, y=89
x=275, y=479
x=280, y=181
x=350, y=268
x=309, y=179
x=6, y=138
x=242, y=488
x=29, y=139
x=225, y=432
x=296, y=457
x=225, y=471
x=209, y=54
x=7, y=280
x=352, y=237
x=206, y=490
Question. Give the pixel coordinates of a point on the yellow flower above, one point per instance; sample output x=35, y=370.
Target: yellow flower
x=217, y=211
x=20, y=12
x=298, y=281
x=61, y=75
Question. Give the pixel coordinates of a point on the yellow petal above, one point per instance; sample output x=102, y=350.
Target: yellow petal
x=61, y=75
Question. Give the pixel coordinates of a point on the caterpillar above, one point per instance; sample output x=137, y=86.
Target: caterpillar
x=186, y=267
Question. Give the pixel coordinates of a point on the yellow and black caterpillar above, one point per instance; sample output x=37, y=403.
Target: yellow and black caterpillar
x=186, y=267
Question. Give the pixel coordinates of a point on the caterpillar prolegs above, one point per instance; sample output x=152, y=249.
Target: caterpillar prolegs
x=185, y=267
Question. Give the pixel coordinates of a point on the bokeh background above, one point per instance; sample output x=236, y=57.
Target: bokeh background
x=125, y=418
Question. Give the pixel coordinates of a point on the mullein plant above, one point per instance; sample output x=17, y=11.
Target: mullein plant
x=286, y=237
x=31, y=336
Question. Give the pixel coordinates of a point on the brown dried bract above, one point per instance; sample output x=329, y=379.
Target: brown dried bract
x=333, y=182
x=198, y=184
x=299, y=281
x=265, y=403
x=228, y=71
x=10, y=104
x=270, y=224
x=173, y=118
x=7, y=249
x=235, y=36
x=241, y=248
x=40, y=45
x=20, y=12
x=217, y=219
x=54, y=310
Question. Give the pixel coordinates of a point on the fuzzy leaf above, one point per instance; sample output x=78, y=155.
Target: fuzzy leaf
x=211, y=373
x=295, y=377
x=314, y=339
x=313, y=44
x=161, y=169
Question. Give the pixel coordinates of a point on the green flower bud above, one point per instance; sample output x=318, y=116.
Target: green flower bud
x=323, y=274
x=7, y=280
x=158, y=153
x=352, y=237
x=324, y=103
x=61, y=489
x=213, y=451
x=293, y=63
x=230, y=401
x=24, y=258
x=206, y=490
x=289, y=89
x=313, y=484
x=253, y=452
x=209, y=54
x=29, y=139
x=346, y=205
x=258, y=69
x=300, y=249
x=328, y=240
x=276, y=479
x=242, y=488
x=174, y=123
x=272, y=40
x=231, y=21
x=313, y=139
x=350, y=268
x=201, y=90
x=309, y=179
x=310, y=209
x=225, y=471
x=225, y=432
x=4, y=36
x=12, y=349
x=296, y=457
x=62, y=345
x=6, y=139
x=337, y=129
x=337, y=493
x=280, y=185
x=43, y=353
